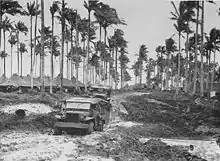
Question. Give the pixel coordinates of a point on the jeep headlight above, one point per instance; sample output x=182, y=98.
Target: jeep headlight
x=82, y=117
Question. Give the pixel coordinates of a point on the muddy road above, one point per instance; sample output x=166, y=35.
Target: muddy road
x=40, y=145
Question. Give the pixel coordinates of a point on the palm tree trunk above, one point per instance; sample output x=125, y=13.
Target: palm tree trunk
x=178, y=74
x=18, y=54
x=77, y=46
x=31, y=54
x=67, y=61
x=116, y=67
x=121, y=76
x=100, y=39
x=213, y=72
x=62, y=46
x=196, y=50
x=202, y=53
x=51, y=57
x=140, y=80
x=21, y=64
x=4, y=53
x=35, y=42
x=87, y=56
x=106, y=62
x=11, y=60
x=84, y=62
x=187, y=53
x=42, y=47
x=71, y=41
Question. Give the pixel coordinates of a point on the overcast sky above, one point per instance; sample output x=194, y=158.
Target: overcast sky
x=148, y=23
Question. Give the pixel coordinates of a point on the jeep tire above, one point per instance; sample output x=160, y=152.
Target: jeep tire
x=90, y=128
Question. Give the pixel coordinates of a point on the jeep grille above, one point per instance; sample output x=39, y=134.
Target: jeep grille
x=72, y=117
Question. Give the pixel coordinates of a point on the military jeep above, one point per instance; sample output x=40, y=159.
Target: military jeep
x=82, y=114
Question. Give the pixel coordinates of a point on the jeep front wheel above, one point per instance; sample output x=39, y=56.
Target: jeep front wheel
x=90, y=128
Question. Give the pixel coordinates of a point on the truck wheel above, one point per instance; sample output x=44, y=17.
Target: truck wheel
x=90, y=128
x=56, y=131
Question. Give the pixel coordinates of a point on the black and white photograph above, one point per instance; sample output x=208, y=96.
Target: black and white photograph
x=109, y=80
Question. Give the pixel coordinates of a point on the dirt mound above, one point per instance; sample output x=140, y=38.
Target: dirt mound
x=40, y=123
x=125, y=145
x=181, y=116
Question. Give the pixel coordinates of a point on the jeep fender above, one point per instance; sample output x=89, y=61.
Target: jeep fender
x=89, y=118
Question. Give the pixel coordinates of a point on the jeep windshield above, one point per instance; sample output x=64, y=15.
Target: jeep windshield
x=78, y=106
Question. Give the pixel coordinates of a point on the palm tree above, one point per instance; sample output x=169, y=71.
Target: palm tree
x=6, y=25
x=212, y=45
x=196, y=49
x=106, y=16
x=35, y=40
x=62, y=43
x=124, y=60
x=11, y=8
x=189, y=17
x=42, y=46
x=12, y=40
x=142, y=56
x=160, y=52
x=170, y=48
x=20, y=27
x=202, y=53
x=136, y=69
x=53, y=10
x=89, y=6
x=32, y=10
x=180, y=26
x=22, y=50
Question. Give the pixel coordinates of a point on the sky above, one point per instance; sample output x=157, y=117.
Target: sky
x=148, y=23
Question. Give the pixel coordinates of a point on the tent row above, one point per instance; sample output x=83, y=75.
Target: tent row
x=17, y=81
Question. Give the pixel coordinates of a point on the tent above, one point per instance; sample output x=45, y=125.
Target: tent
x=3, y=79
x=66, y=82
x=36, y=83
x=15, y=81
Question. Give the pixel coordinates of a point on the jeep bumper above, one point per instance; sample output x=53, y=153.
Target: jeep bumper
x=64, y=125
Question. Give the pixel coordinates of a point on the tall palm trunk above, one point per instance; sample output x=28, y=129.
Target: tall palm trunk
x=187, y=55
x=11, y=59
x=18, y=54
x=42, y=47
x=106, y=62
x=87, y=56
x=100, y=39
x=51, y=57
x=140, y=68
x=62, y=46
x=4, y=53
x=67, y=60
x=31, y=53
x=196, y=50
x=71, y=44
x=21, y=64
x=202, y=52
x=0, y=23
x=122, y=83
x=77, y=46
x=116, y=67
x=84, y=62
x=178, y=73
x=35, y=42
x=213, y=72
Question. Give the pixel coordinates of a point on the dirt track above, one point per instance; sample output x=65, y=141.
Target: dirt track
x=35, y=145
